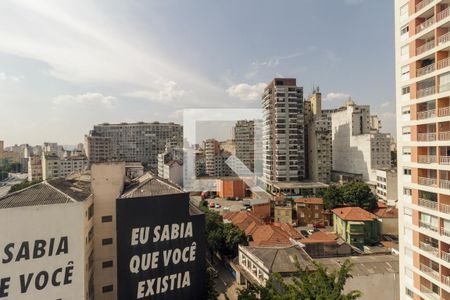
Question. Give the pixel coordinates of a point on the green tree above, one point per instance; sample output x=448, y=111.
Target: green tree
x=317, y=284
x=359, y=194
x=394, y=158
x=332, y=197
x=211, y=293
x=233, y=237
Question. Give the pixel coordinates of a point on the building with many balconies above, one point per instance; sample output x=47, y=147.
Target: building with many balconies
x=423, y=129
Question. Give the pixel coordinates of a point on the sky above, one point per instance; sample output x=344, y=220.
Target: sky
x=67, y=65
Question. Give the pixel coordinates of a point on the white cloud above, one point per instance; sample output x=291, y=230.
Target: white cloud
x=335, y=96
x=6, y=77
x=85, y=99
x=385, y=104
x=246, y=92
x=167, y=91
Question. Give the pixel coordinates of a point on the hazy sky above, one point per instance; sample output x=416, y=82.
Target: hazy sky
x=67, y=65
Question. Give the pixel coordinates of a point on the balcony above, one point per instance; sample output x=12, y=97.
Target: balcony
x=445, y=208
x=443, y=14
x=427, y=181
x=429, y=248
x=426, y=137
x=426, y=114
x=428, y=226
x=444, y=38
x=426, y=92
x=425, y=47
x=429, y=271
x=425, y=25
x=444, y=160
x=444, y=111
x=445, y=231
x=429, y=293
x=446, y=280
x=428, y=204
x=422, y=4
x=445, y=256
x=427, y=159
x=444, y=136
x=426, y=70
x=444, y=184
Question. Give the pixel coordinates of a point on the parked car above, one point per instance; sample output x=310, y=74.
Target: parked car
x=218, y=205
x=226, y=208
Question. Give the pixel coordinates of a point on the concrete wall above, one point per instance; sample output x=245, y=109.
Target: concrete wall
x=31, y=223
x=375, y=286
x=107, y=185
x=389, y=226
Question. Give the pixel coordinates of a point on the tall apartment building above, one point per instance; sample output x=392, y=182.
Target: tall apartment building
x=244, y=139
x=34, y=168
x=423, y=129
x=283, y=132
x=53, y=166
x=318, y=137
x=132, y=142
x=357, y=147
x=211, y=150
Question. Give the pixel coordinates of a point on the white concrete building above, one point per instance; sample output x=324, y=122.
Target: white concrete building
x=357, y=148
x=46, y=237
x=387, y=186
x=53, y=166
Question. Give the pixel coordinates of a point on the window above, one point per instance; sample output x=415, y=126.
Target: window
x=91, y=211
x=107, y=241
x=406, y=130
x=409, y=293
x=405, y=90
x=107, y=288
x=404, y=30
x=91, y=234
x=404, y=10
x=316, y=215
x=405, y=50
x=107, y=264
x=407, y=211
x=406, y=110
x=406, y=171
x=106, y=219
x=406, y=150
x=407, y=192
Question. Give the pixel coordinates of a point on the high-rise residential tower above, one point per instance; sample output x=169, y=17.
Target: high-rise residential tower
x=283, y=132
x=423, y=129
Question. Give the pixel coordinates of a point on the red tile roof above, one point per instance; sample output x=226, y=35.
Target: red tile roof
x=289, y=230
x=320, y=237
x=354, y=214
x=269, y=235
x=390, y=212
x=309, y=200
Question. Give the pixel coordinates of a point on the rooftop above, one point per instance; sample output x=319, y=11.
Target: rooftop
x=354, y=214
x=387, y=212
x=364, y=265
x=149, y=185
x=318, y=201
x=298, y=185
x=280, y=259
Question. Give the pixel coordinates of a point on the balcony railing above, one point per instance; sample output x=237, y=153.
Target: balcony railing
x=422, y=4
x=445, y=231
x=428, y=204
x=426, y=92
x=444, y=111
x=426, y=137
x=443, y=63
x=427, y=181
x=425, y=47
x=444, y=136
x=444, y=160
x=443, y=14
x=444, y=184
x=445, y=279
x=429, y=248
x=430, y=271
x=427, y=159
x=445, y=208
x=426, y=70
x=429, y=292
x=444, y=38
x=444, y=88
x=445, y=256
x=428, y=226
x=426, y=114
x=425, y=24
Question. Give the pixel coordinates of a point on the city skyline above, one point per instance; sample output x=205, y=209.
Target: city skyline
x=122, y=63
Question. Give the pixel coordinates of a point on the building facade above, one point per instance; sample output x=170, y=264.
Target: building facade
x=318, y=137
x=134, y=142
x=423, y=131
x=53, y=166
x=283, y=132
x=244, y=138
x=387, y=186
x=357, y=147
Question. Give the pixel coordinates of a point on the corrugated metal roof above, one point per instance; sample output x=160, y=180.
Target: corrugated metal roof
x=150, y=186
x=365, y=265
x=38, y=194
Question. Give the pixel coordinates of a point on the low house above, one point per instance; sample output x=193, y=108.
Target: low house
x=282, y=214
x=388, y=217
x=310, y=212
x=256, y=264
x=356, y=226
x=326, y=244
x=231, y=188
